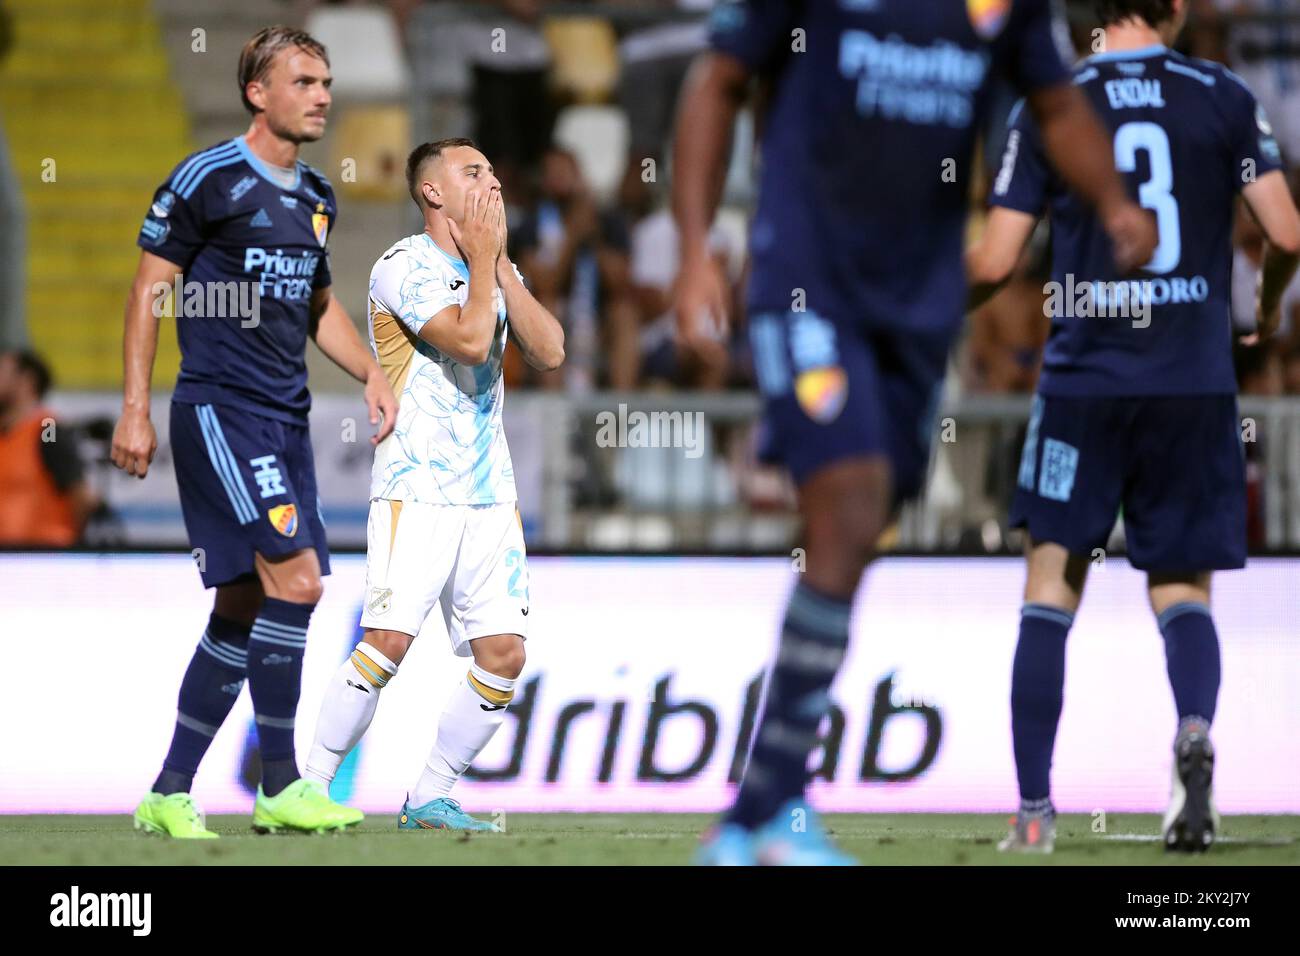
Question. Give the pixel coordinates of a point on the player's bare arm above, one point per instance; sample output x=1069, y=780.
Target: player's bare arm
x=134, y=438
x=335, y=335
x=714, y=91
x=992, y=259
x=1081, y=151
x=1269, y=200
x=537, y=332
x=465, y=333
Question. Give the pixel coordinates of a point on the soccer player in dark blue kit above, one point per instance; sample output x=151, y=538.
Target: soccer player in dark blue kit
x=856, y=293
x=1136, y=406
x=239, y=231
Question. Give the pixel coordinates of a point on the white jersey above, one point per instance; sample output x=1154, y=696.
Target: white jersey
x=448, y=447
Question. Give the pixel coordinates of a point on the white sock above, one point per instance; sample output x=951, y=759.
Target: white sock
x=346, y=712
x=464, y=729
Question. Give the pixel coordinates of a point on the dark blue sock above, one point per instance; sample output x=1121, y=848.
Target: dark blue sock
x=1192, y=659
x=813, y=642
x=209, y=689
x=1037, y=690
x=275, y=652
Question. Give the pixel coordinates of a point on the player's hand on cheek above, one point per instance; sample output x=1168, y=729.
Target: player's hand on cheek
x=499, y=205
x=477, y=235
x=458, y=229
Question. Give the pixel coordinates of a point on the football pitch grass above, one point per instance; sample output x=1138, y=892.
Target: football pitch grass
x=629, y=839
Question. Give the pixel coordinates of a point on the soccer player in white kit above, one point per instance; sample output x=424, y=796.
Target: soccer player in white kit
x=444, y=527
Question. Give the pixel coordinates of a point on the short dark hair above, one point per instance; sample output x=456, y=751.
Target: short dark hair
x=260, y=50
x=29, y=363
x=425, y=152
x=1154, y=12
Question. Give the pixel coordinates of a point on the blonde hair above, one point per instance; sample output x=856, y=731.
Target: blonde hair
x=260, y=51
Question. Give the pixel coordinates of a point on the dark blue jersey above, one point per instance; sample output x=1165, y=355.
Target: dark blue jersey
x=252, y=253
x=867, y=144
x=1188, y=135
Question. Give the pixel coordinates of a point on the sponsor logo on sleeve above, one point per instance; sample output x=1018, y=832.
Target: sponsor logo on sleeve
x=155, y=233
x=1261, y=120
x=163, y=204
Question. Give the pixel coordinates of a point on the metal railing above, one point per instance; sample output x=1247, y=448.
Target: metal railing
x=675, y=473
x=629, y=492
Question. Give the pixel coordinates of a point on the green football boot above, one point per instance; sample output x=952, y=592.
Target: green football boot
x=174, y=815
x=304, y=806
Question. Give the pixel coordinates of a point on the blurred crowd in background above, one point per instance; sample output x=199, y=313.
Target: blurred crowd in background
x=605, y=259
x=574, y=103
x=576, y=112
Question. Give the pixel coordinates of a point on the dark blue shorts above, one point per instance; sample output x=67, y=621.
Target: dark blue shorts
x=247, y=484
x=833, y=391
x=1173, y=463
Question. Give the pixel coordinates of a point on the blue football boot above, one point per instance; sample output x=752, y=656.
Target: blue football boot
x=444, y=813
x=795, y=837
x=727, y=844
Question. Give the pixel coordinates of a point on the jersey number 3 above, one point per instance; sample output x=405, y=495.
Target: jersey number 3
x=1156, y=193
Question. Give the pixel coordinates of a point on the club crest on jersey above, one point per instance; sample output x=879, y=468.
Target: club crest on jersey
x=320, y=223
x=822, y=393
x=380, y=600
x=988, y=17
x=284, y=519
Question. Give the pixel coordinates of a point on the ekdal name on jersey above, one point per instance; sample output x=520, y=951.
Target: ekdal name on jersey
x=1134, y=93
x=279, y=275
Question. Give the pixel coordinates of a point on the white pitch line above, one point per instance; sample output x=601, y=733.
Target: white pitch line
x=1155, y=838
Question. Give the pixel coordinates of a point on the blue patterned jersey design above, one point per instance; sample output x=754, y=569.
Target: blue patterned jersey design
x=448, y=446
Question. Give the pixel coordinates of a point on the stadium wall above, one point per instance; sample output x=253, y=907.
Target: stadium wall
x=643, y=675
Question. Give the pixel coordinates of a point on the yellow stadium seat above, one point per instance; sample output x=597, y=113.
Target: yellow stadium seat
x=369, y=151
x=584, y=57
x=94, y=123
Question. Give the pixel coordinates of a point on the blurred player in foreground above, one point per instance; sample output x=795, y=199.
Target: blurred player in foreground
x=856, y=293
x=1137, y=404
x=240, y=231
x=444, y=527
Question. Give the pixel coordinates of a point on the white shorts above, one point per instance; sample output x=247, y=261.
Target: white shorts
x=468, y=558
